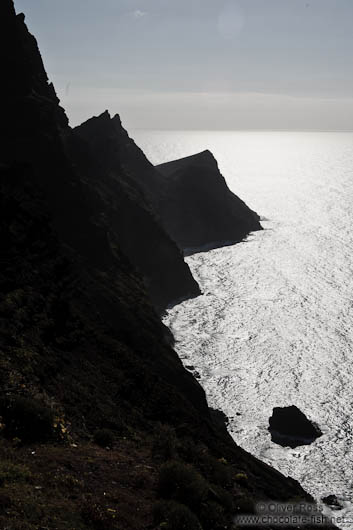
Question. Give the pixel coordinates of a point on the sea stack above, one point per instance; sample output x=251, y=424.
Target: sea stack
x=289, y=427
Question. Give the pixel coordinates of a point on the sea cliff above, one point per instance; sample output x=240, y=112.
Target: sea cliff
x=101, y=426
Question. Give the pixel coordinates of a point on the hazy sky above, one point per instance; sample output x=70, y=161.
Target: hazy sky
x=200, y=64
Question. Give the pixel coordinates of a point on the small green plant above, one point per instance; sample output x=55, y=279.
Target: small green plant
x=104, y=437
x=171, y=515
x=182, y=483
x=241, y=478
x=26, y=419
x=221, y=472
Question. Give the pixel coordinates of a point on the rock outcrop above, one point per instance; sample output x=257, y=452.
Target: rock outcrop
x=332, y=502
x=200, y=211
x=289, y=427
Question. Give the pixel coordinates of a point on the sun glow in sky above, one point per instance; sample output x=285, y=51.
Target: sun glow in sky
x=200, y=64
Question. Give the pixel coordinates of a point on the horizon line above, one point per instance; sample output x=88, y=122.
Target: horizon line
x=161, y=129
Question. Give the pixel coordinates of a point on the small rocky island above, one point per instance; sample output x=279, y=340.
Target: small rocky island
x=289, y=427
x=332, y=502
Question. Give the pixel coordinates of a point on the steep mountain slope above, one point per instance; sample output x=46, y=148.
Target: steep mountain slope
x=114, y=148
x=190, y=196
x=83, y=350
x=129, y=215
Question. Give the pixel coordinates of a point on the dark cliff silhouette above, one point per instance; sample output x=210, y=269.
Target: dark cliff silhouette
x=200, y=210
x=128, y=213
x=99, y=419
x=189, y=196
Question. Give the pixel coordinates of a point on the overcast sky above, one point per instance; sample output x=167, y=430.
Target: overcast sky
x=200, y=64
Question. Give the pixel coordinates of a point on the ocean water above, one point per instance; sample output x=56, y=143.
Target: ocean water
x=274, y=326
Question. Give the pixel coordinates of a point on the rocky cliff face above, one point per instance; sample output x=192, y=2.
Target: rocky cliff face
x=85, y=362
x=200, y=210
x=189, y=196
x=116, y=149
x=114, y=205
x=128, y=213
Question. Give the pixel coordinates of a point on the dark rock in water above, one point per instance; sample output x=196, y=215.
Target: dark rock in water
x=199, y=211
x=289, y=427
x=332, y=502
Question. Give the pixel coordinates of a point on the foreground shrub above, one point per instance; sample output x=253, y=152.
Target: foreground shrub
x=222, y=497
x=164, y=442
x=174, y=516
x=182, y=483
x=104, y=437
x=213, y=517
x=97, y=517
x=26, y=419
x=11, y=473
x=220, y=471
x=244, y=504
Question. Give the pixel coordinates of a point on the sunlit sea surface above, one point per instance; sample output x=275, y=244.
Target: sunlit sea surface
x=274, y=326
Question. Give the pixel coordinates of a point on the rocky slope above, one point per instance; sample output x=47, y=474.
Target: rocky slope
x=128, y=213
x=101, y=427
x=114, y=148
x=116, y=208
x=189, y=196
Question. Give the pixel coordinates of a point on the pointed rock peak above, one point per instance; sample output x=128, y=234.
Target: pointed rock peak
x=117, y=120
x=104, y=116
x=118, y=126
x=206, y=152
x=205, y=159
x=206, y=156
x=101, y=122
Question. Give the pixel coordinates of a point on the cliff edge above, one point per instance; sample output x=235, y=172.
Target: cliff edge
x=200, y=211
x=189, y=197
